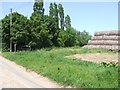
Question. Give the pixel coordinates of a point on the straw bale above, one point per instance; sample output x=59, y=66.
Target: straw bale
x=96, y=42
x=107, y=47
x=115, y=32
x=103, y=42
x=106, y=37
x=115, y=47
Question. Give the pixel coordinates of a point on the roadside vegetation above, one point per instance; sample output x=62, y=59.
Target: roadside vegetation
x=52, y=63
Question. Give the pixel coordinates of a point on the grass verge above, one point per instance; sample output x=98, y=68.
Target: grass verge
x=68, y=72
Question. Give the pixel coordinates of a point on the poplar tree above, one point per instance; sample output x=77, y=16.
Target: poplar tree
x=38, y=7
x=56, y=16
x=51, y=12
x=61, y=14
x=67, y=22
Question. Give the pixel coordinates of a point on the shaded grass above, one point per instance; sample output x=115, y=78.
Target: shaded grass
x=51, y=62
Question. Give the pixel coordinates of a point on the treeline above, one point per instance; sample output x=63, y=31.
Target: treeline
x=41, y=30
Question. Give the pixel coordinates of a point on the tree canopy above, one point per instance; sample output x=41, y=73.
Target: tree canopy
x=42, y=30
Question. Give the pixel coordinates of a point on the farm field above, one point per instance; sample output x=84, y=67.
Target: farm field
x=73, y=72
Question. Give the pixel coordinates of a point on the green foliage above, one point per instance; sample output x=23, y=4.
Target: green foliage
x=52, y=63
x=62, y=38
x=71, y=37
x=6, y=31
x=45, y=38
x=51, y=12
x=38, y=7
x=42, y=30
x=82, y=38
x=61, y=14
x=56, y=16
x=18, y=31
x=67, y=22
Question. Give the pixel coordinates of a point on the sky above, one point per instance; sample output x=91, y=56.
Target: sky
x=89, y=16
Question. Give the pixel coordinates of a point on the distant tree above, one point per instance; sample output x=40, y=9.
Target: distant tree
x=56, y=16
x=83, y=38
x=38, y=7
x=61, y=14
x=51, y=10
x=62, y=37
x=71, y=37
x=67, y=22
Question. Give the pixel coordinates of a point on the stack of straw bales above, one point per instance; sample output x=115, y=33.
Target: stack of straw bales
x=105, y=40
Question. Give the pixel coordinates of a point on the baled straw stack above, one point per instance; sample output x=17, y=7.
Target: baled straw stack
x=105, y=40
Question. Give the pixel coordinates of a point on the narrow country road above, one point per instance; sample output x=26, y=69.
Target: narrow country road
x=15, y=76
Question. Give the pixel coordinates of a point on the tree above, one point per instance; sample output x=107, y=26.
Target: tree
x=46, y=33
x=36, y=21
x=18, y=30
x=82, y=38
x=38, y=7
x=51, y=12
x=5, y=33
x=61, y=14
x=71, y=37
x=54, y=30
x=62, y=37
x=67, y=22
x=56, y=16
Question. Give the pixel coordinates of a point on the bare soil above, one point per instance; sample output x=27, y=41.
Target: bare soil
x=96, y=57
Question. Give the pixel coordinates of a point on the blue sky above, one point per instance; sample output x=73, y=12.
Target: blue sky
x=89, y=16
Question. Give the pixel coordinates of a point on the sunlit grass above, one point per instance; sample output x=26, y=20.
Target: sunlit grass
x=51, y=62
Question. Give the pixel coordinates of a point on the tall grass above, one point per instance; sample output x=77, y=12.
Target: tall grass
x=68, y=72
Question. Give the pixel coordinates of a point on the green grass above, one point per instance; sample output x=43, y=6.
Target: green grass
x=51, y=62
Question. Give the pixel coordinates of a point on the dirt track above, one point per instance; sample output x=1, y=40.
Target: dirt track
x=97, y=57
x=15, y=76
